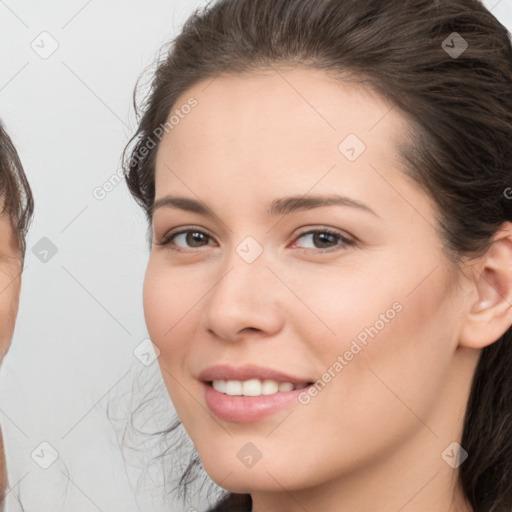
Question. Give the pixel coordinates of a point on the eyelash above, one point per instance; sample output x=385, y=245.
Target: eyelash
x=346, y=242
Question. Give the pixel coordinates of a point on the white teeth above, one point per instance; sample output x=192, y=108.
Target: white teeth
x=220, y=386
x=269, y=387
x=285, y=386
x=253, y=387
x=233, y=387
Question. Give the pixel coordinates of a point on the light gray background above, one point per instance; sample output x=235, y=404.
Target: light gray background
x=80, y=317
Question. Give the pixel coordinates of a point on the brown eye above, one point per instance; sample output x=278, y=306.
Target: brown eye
x=186, y=239
x=325, y=239
x=194, y=238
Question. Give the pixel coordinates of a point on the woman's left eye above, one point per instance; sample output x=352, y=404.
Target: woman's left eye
x=325, y=239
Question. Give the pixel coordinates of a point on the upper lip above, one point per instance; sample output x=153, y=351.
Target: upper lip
x=247, y=372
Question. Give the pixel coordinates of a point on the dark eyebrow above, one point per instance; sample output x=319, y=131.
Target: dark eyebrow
x=291, y=204
x=282, y=206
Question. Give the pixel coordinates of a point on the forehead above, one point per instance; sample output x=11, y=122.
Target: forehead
x=276, y=128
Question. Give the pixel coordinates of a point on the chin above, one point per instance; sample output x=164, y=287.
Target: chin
x=228, y=472
x=245, y=482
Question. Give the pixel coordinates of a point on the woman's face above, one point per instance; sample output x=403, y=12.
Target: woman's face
x=10, y=282
x=369, y=311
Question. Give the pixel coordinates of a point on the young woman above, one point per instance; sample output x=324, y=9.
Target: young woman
x=329, y=186
x=16, y=207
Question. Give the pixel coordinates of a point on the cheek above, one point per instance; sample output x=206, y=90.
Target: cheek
x=9, y=300
x=159, y=299
x=163, y=299
x=386, y=335
x=169, y=301
x=396, y=349
x=369, y=302
x=339, y=305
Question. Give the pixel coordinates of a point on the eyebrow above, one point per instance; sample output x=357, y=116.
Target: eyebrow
x=281, y=206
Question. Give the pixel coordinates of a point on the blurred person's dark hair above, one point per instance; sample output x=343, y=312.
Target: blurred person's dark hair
x=16, y=199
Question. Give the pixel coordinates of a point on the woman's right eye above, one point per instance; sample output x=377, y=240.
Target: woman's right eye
x=192, y=237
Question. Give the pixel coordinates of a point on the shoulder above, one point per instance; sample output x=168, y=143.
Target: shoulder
x=234, y=503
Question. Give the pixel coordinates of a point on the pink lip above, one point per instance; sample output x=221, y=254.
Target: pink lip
x=246, y=372
x=244, y=409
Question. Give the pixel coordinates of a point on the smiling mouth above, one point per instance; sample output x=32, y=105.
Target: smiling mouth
x=255, y=387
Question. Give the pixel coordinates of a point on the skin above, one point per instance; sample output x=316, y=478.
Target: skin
x=372, y=438
x=10, y=284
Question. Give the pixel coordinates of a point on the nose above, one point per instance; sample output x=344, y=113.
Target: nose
x=246, y=300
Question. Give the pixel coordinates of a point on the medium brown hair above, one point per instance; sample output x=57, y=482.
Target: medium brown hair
x=460, y=153
x=15, y=194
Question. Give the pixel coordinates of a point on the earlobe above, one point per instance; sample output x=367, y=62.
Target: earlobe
x=489, y=316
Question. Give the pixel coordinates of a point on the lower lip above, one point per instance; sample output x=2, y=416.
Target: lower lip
x=244, y=409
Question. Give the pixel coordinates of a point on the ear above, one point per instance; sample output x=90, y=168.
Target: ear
x=489, y=316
